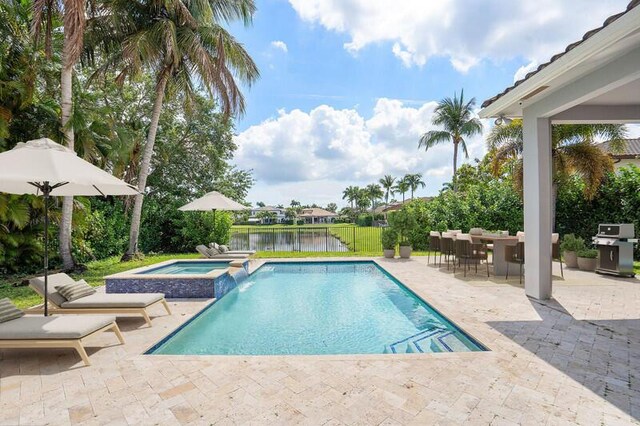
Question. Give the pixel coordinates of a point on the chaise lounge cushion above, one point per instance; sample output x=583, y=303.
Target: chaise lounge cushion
x=36, y=327
x=114, y=300
x=75, y=290
x=55, y=280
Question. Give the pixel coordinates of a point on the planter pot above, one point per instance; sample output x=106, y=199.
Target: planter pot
x=587, y=264
x=405, y=252
x=570, y=259
x=389, y=254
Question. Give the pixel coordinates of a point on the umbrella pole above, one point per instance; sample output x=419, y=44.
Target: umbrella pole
x=46, y=189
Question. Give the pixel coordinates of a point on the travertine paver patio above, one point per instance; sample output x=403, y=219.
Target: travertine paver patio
x=573, y=360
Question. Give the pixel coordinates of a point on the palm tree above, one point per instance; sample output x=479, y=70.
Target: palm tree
x=373, y=192
x=362, y=200
x=387, y=182
x=402, y=187
x=414, y=180
x=185, y=45
x=573, y=152
x=350, y=194
x=456, y=118
x=73, y=22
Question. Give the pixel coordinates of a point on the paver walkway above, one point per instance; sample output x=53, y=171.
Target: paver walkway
x=573, y=360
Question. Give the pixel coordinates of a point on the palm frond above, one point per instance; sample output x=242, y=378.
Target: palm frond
x=433, y=138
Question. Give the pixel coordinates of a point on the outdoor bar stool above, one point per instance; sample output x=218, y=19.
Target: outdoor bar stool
x=514, y=254
x=434, y=245
x=447, y=248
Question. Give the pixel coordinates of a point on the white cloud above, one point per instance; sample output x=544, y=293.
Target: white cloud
x=524, y=70
x=279, y=44
x=313, y=155
x=463, y=31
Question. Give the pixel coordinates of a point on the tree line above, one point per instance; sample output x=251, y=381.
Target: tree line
x=137, y=88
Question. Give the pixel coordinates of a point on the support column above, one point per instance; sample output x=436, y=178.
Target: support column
x=537, y=205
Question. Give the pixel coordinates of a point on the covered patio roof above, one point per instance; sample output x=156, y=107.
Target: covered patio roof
x=595, y=80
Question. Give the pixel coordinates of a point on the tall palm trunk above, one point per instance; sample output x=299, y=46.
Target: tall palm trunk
x=136, y=215
x=455, y=165
x=66, y=100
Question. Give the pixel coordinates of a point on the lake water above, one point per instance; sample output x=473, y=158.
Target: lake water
x=276, y=239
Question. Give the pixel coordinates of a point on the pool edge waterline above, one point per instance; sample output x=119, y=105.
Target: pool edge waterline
x=478, y=346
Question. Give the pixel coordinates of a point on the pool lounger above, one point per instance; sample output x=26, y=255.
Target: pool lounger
x=41, y=332
x=207, y=253
x=97, y=303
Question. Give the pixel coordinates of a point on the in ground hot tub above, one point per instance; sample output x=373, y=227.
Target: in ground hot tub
x=186, y=279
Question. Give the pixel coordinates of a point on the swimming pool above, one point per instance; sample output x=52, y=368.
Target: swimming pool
x=186, y=268
x=317, y=308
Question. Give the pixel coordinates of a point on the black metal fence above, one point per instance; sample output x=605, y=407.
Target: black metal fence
x=307, y=239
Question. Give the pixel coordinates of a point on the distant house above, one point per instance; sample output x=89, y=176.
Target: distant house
x=629, y=155
x=256, y=217
x=317, y=215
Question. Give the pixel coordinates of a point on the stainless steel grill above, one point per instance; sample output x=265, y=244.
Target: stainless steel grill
x=615, y=249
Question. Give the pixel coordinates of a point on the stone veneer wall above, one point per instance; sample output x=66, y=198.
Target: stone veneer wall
x=173, y=288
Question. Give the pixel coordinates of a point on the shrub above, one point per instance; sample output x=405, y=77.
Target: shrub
x=588, y=253
x=364, y=220
x=403, y=222
x=389, y=238
x=572, y=243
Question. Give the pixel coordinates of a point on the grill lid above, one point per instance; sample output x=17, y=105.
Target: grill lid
x=617, y=230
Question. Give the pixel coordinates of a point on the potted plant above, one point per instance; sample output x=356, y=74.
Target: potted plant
x=570, y=246
x=403, y=222
x=587, y=259
x=389, y=239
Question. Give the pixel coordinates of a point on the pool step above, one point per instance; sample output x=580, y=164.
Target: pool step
x=433, y=339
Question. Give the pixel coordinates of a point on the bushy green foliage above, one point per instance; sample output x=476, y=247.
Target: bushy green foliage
x=389, y=238
x=588, y=253
x=572, y=243
x=200, y=228
x=404, y=222
x=617, y=201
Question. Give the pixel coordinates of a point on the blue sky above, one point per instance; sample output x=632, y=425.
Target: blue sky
x=348, y=86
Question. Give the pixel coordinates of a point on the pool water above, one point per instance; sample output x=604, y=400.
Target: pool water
x=184, y=268
x=318, y=308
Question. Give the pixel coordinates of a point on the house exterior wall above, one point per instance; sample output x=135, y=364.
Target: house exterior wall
x=625, y=162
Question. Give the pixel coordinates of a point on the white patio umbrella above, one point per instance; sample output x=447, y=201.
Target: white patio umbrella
x=43, y=167
x=213, y=201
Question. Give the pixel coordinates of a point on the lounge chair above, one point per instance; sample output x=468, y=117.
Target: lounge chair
x=217, y=247
x=211, y=253
x=97, y=303
x=31, y=331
